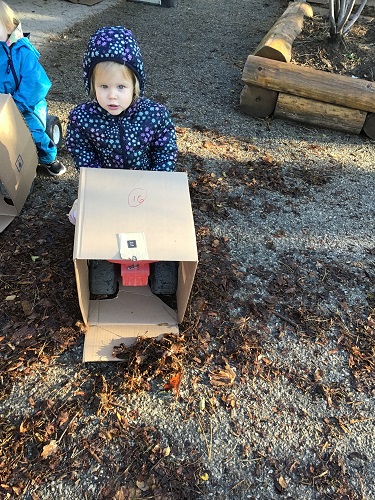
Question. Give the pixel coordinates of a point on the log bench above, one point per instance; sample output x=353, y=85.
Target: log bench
x=274, y=86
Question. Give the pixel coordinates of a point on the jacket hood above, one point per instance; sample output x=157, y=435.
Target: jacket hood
x=20, y=39
x=114, y=43
x=16, y=34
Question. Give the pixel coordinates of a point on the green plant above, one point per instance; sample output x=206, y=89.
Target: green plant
x=340, y=18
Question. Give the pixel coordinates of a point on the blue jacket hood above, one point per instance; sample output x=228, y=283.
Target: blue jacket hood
x=113, y=43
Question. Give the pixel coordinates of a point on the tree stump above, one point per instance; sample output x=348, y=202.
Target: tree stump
x=258, y=102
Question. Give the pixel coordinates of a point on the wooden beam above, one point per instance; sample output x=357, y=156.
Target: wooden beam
x=311, y=83
x=277, y=44
x=257, y=102
x=319, y=114
x=369, y=126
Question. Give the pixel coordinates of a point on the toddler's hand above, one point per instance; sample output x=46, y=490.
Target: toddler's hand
x=72, y=215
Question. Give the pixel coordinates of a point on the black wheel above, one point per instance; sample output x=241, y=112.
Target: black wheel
x=103, y=277
x=163, y=278
x=54, y=130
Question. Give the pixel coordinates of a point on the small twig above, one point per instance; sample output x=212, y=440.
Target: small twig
x=208, y=445
x=321, y=475
x=281, y=316
x=66, y=428
x=230, y=455
x=237, y=485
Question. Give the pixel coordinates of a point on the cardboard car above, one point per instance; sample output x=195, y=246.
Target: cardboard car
x=132, y=216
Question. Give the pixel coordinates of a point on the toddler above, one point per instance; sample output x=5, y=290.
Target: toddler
x=22, y=76
x=119, y=127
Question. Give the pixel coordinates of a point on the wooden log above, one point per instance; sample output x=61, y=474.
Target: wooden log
x=369, y=126
x=257, y=101
x=319, y=114
x=277, y=43
x=308, y=82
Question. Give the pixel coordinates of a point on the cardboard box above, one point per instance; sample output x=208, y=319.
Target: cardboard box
x=152, y=211
x=18, y=161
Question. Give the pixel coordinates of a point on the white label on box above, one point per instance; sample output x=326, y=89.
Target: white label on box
x=133, y=246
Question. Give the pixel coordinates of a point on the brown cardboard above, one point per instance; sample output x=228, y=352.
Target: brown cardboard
x=18, y=160
x=154, y=209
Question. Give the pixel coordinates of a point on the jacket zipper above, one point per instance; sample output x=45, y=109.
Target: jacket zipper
x=10, y=66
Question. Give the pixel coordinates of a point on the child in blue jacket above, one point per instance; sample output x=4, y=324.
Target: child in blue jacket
x=119, y=127
x=22, y=76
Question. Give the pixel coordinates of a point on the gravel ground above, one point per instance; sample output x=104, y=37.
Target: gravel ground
x=285, y=218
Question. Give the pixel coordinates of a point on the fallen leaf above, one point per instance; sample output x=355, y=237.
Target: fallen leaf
x=221, y=377
x=50, y=449
x=282, y=482
x=46, y=277
x=23, y=427
x=202, y=404
x=63, y=418
x=318, y=375
x=142, y=485
x=26, y=307
x=174, y=383
x=166, y=451
x=205, y=477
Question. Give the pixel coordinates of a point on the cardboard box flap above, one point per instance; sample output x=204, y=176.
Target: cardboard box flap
x=138, y=304
x=147, y=316
x=7, y=213
x=100, y=340
x=120, y=205
x=5, y=221
x=6, y=209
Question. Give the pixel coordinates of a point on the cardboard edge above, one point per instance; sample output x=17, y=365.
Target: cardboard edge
x=186, y=276
x=5, y=221
x=82, y=285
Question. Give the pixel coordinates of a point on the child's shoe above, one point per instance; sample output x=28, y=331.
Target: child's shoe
x=54, y=168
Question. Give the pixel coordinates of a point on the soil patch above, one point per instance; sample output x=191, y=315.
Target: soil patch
x=353, y=56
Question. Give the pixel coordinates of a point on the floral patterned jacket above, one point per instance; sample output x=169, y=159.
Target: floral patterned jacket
x=143, y=137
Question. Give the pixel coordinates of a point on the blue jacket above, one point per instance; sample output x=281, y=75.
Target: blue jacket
x=143, y=137
x=22, y=76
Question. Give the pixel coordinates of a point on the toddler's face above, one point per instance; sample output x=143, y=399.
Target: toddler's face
x=3, y=33
x=114, y=90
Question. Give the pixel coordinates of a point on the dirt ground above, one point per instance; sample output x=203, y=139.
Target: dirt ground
x=353, y=56
x=276, y=394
